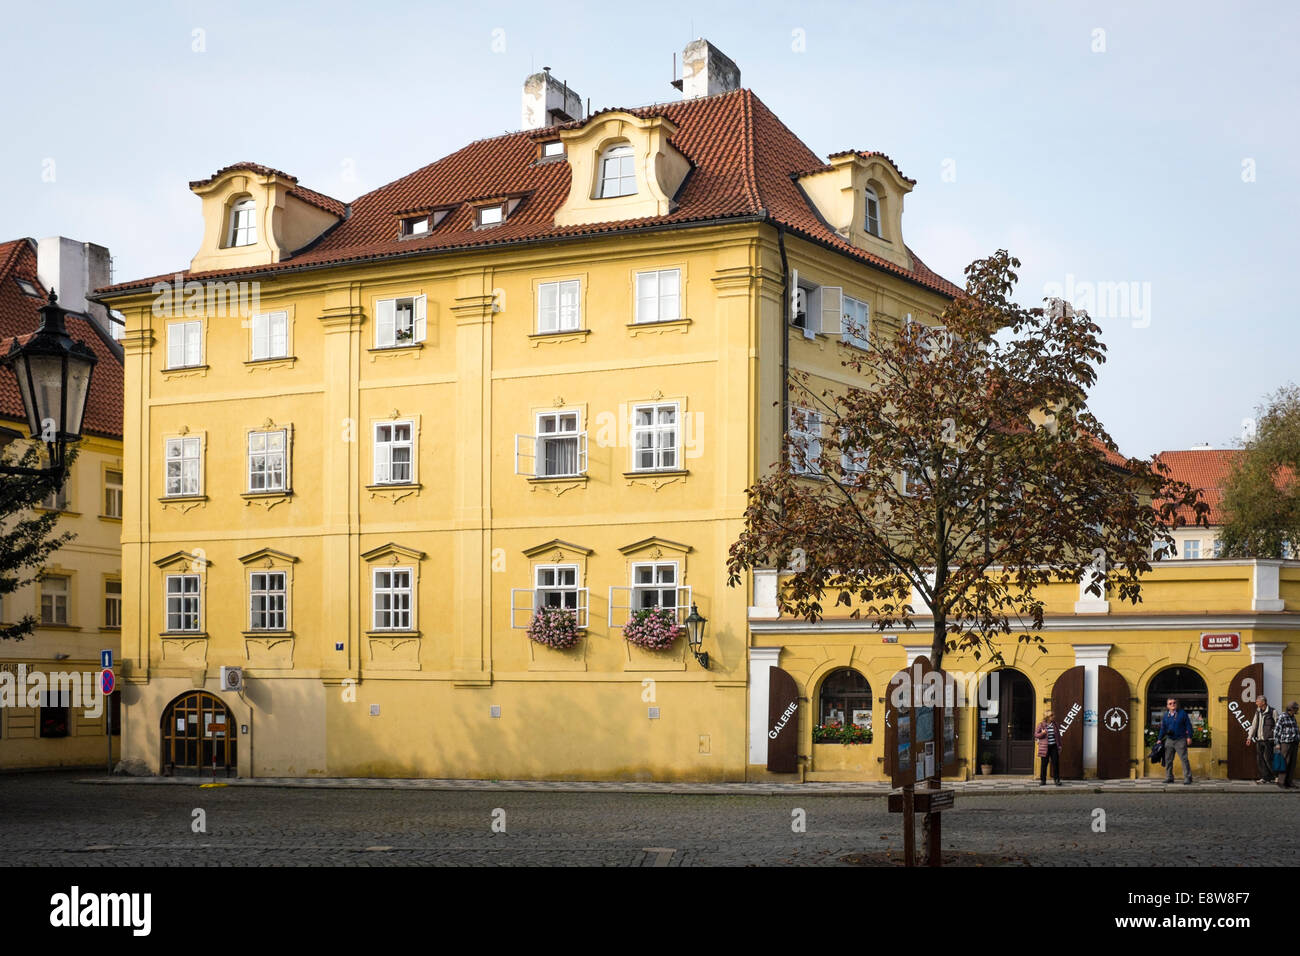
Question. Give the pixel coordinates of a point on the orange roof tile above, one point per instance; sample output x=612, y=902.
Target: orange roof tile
x=742, y=157
x=1204, y=468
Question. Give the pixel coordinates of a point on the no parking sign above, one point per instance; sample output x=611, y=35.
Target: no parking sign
x=107, y=681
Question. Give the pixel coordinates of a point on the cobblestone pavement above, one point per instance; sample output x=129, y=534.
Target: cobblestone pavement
x=54, y=819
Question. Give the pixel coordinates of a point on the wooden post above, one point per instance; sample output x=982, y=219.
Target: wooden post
x=934, y=830
x=909, y=826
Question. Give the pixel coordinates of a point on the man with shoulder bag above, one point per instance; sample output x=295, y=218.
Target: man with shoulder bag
x=1263, y=728
x=1288, y=734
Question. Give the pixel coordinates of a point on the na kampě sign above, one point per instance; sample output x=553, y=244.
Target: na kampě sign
x=1221, y=642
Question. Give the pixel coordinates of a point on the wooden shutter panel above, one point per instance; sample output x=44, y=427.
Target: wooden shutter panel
x=832, y=310
x=420, y=321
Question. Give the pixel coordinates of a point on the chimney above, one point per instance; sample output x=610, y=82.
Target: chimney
x=706, y=70
x=75, y=270
x=547, y=101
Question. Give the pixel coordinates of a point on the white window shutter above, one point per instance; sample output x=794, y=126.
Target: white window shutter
x=175, y=346
x=683, y=603
x=794, y=293
x=584, y=601
x=420, y=324
x=526, y=455
x=620, y=606
x=385, y=322
x=832, y=309
x=582, y=453
x=193, y=343
x=522, y=602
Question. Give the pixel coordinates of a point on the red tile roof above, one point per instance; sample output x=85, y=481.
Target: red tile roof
x=741, y=155
x=310, y=196
x=20, y=316
x=1205, y=468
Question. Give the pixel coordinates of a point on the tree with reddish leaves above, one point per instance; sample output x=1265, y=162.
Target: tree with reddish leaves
x=967, y=466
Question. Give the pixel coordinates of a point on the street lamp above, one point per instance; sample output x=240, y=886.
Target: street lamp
x=53, y=374
x=695, y=635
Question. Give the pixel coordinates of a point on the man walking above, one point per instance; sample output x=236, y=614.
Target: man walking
x=1262, y=730
x=1287, y=736
x=1176, y=732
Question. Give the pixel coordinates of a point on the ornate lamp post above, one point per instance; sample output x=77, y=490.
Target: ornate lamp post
x=695, y=635
x=53, y=374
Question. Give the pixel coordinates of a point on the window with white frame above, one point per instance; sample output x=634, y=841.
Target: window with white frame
x=184, y=344
x=183, y=466
x=558, y=306
x=659, y=295
x=806, y=305
x=491, y=215
x=805, y=441
x=853, y=461
x=857, y=323
x=270, y=336
x=243, y=223
x=913, y=478
x=401, y=321
x=557, y=586
x=112, y=494
x=655, y=437
x=394, y=453
x=54, y=599
x=872, y=224
x=56, y=500
x=267, y=595
x=1192, y=549
x=559, y=445
x=268, y=460
x=182, y=602
x=416, y=226
x=553, y=148
x=393, y=597
x=112, y=603
x=617, y=172
x=654, y=585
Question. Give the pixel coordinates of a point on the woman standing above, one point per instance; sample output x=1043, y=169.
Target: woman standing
x=1048, y=735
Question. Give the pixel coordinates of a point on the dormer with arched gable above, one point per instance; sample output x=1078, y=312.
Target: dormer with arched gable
x=860, y=195
x=254, y=215
x=623, y=167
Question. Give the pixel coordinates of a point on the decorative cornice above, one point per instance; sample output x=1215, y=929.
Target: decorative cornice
x=343, y=318
x=137, y=340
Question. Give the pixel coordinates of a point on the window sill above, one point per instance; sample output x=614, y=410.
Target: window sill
x=411, y=348
x=557, y=484
x=183, y=503
x=281, y=635
x=393, y=492
x=57, y=627
x=183, y=371
x=115, y=519
x=66, y=512
x=111, y=630
x=279, y=361
x=560, y=335
x=267, y=499
x=202, y=634
x=655, y=479
x=658, y=327
x=393, y=633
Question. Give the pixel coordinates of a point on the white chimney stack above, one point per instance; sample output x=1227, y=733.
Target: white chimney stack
x=74, y=270
x=547, y=101
x=706, y=70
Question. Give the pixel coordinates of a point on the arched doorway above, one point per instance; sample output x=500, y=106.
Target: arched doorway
x=844, y=707
x=1188, y=688
x=198, y=734
x=1005, y=722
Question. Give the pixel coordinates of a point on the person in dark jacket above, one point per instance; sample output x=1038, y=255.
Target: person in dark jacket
x=1260, y=736
x=1048, y=735
x=1176, y=732
x=1288, y=734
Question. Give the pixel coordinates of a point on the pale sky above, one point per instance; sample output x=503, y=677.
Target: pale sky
x=1146, y=149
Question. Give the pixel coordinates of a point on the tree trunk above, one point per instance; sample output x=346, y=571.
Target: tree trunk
x=932, y=851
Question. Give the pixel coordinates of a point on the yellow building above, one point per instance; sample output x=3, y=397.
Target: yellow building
x=364, y=442
x=78, y=601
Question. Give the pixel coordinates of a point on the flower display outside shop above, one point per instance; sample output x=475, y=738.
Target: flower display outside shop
x=837, y=733
x=654, y=628
x=555, y=627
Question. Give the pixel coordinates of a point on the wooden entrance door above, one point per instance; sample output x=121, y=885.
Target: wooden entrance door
x=198, y=734
x=1006, y=725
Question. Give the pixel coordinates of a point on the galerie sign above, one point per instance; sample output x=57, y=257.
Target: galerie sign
x=782, y=722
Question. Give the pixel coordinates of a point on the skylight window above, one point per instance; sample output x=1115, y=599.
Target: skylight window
x=28, y=288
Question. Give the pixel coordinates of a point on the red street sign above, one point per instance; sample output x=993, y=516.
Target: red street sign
x=1221, y=642
x=106, y=681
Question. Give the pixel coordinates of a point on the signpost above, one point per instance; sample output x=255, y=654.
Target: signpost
x=920, y=705
x=106, y=682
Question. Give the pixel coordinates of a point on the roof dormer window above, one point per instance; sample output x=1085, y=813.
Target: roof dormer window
x=416, y=226
x=554, y=148
x=873, y=212
x=617, y=172
x=491, y=215
x=243, y=223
